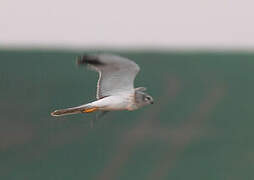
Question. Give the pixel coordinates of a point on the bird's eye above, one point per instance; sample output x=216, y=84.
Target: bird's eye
x=148, y=98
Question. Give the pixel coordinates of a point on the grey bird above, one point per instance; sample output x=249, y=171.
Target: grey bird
x=115, y=87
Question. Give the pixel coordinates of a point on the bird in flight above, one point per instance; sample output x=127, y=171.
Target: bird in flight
x=115, y=87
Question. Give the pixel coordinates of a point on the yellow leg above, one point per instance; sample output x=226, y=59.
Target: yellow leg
x=90, y=110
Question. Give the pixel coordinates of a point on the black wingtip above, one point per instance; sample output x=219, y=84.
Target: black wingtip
x=82, y=60
x=87, y=59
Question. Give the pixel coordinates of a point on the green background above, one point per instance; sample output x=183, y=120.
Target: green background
x=200, y=127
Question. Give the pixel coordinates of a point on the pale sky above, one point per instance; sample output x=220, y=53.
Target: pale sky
x=127, y=23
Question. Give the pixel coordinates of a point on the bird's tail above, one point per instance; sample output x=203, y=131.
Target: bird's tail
x=74, y=110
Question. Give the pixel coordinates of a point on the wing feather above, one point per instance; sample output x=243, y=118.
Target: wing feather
x=116, y=73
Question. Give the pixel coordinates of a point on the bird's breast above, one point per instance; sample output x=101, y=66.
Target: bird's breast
x=132, y=103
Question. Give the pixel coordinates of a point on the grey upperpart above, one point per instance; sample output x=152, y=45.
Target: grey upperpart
x=142, y=98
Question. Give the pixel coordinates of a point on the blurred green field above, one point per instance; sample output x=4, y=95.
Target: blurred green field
x=200, y=127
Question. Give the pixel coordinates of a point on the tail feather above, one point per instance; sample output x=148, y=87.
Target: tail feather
x=74, y=110
x=62, y=112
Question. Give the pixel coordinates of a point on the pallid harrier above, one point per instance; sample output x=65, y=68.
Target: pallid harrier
x=115, y=87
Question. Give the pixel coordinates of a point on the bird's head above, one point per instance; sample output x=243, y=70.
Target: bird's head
x=142, y=98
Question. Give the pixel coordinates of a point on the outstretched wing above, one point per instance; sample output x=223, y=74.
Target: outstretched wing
x=116, y=74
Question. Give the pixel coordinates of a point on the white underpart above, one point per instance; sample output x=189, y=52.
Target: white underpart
x=121, y=101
